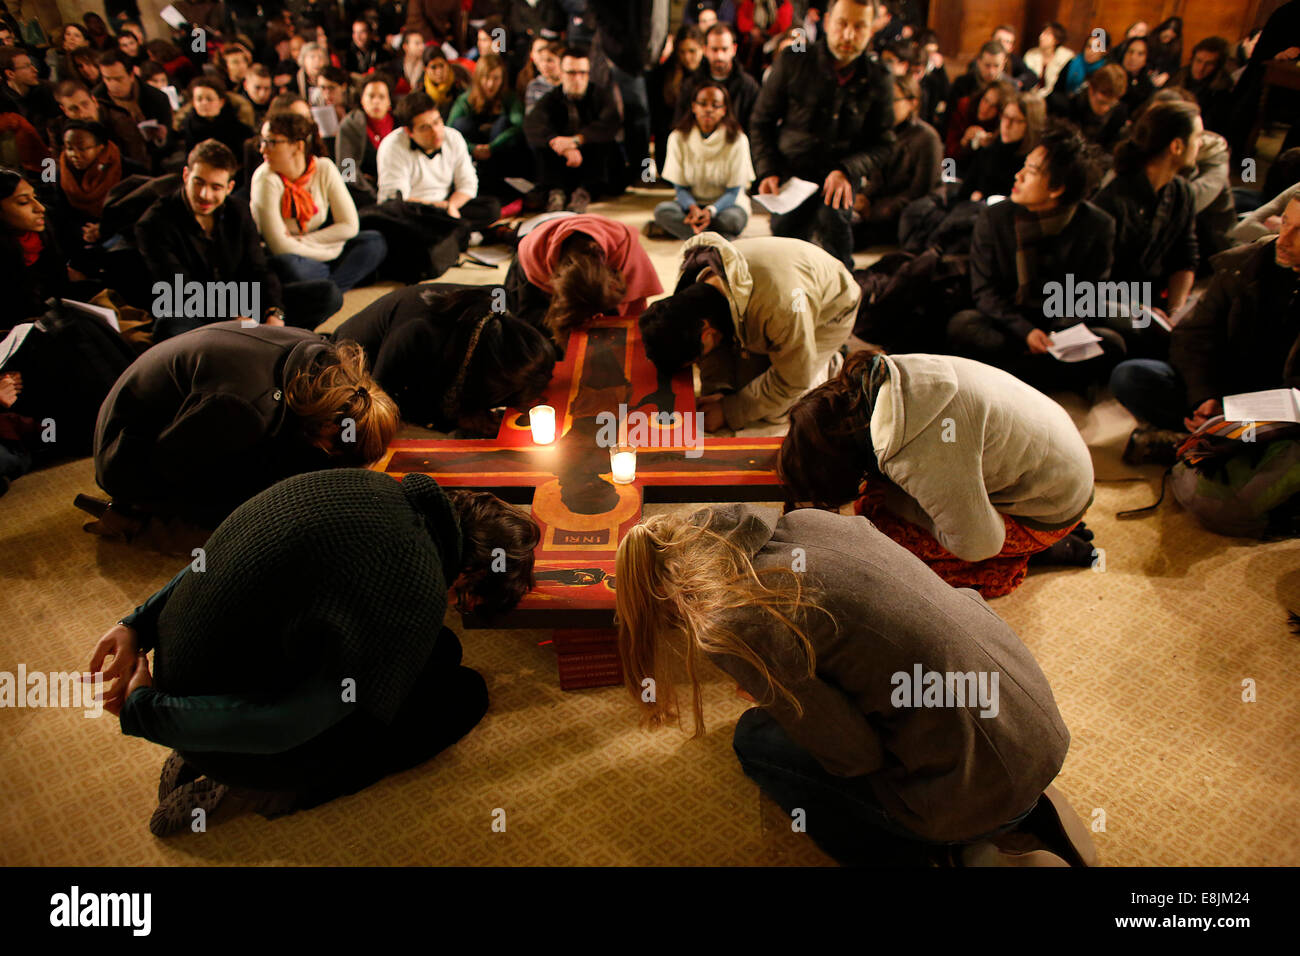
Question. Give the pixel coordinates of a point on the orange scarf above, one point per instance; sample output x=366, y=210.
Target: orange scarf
x=87, y=193
x=296, y=203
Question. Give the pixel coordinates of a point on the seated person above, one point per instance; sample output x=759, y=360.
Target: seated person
x=964, y=465
x=708, y=161
x=213, y=116
x=1132, y=55
x=145, y=103
x=572, y=268
x=365, y=53
x=30, y=252
x=764, y=318
x=571, y=130
x=1208, y=78
x=825, y=116
x=1095, y=108
x=492, y=121
x=342, y=579
x=440, y=80
x=993, y=167
x=1238, y=339
x=1266, y=220
x=1025, y=247
x=1050, y=57
x=334, y=96
x=89, y=166
x=883, y=780
x=256, y=88
x=1088, y=61
x=987, y=69
x=548, y=75
x=970, y=128
x=422, y=162
x=294, y=195
x=407, y=68
x=203, y=422
x=357, y=146
x=283, y=103
x=203, y=234
x=911, y=172
x=448, y=359
x=720, y=66
x=1155, y=218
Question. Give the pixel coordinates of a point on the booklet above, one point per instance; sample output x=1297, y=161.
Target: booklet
x=13, y=341
x=519, y=184
x=172, y=16
x=1270, y=405
x=1075, y=344
x=327, y=120
x=792, y=195
x=95, y=311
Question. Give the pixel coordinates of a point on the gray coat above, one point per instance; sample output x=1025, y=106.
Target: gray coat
x=945, y=773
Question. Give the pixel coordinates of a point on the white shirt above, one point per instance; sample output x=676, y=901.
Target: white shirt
x=407, y=170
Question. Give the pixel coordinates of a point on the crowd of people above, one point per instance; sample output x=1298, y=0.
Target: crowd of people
x=249, y=170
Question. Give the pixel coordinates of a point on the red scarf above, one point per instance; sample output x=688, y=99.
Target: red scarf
x=296, y=203
x=87, y=193
x=378, y=130
x=32, y=247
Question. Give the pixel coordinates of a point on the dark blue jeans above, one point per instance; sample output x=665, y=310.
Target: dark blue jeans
x=842, y=814
x=360, y=257
x=813, y=217
x=1152, y=390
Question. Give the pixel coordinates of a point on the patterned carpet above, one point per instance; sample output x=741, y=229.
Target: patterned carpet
x=1147, y=660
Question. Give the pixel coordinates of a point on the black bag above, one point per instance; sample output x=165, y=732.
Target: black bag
x=907, y=300
x=423, y=241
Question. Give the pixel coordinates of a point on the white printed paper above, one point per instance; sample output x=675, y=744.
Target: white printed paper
x=1270, y=405
x=327, y=120
x=1076, y=344
x=98, y=311
x=13, y=341
x=792, y=195
x=173, y=16
x=519, y=184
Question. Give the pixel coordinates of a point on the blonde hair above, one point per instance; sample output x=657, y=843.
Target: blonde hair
x=678, y=577
x=339, y=388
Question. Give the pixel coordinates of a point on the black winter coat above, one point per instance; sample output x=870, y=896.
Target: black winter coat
x=199, y=424
x=806, y=124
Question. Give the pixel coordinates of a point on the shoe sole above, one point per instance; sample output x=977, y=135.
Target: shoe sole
x=986, y=854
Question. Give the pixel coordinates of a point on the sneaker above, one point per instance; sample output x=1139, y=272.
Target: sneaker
x=579, y=201
x=555, y=201
x=1149, y=445
x=475, y=239
x=175, y=812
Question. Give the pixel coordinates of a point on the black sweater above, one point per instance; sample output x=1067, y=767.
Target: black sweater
x=1155, y=234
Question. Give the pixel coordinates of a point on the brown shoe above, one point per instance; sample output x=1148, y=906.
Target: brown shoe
x=175, y=813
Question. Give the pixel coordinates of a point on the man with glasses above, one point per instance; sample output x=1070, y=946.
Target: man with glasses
x=571, y=130
x=826, y=116
x=22, y=92
x=1031, y=258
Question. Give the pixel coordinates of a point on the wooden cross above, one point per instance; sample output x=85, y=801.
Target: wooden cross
x=582, y=513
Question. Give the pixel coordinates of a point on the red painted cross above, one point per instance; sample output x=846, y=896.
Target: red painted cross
x=583, y=514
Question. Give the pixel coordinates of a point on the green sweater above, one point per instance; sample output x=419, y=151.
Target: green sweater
x=226, y=722
x=511, y=108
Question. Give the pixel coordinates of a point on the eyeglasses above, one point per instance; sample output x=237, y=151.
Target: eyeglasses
x=268, y=143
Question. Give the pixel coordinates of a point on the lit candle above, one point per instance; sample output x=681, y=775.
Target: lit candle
x=622, y=464
x=541, y=418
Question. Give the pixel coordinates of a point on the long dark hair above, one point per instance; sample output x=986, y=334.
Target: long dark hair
x=511, y=366
x=729, y=122
x=827, y=452
x=487, y=524
x=1155, y=129
x=584, y=284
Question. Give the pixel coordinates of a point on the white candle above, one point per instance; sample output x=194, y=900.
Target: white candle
x=622, y=464
x=541, y=418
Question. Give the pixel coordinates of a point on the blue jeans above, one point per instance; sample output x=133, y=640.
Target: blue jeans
x=1152, y=390
x=360, y=257
x=729, y=223
x=813, y=216
x=842, y=814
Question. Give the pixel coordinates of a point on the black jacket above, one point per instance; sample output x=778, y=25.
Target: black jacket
x=153, y=102
x=597, y=111
x=173, y=243
x=1102, y=130
x=415, y=340
x=38, y=106
x=1083, y=249
x=1225, y=346
x=199, y=423
x=27, y=287
x=740, y=86
x=912, y=170
x=1155, y=236
x=806, y=124
x=225, y=127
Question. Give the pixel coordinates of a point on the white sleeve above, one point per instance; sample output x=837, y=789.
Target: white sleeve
x=394, y=166
x=265, y=191
x=346, y=223
x=464, y=177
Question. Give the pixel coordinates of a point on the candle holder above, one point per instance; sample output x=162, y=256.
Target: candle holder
x=622, y=464
x=541, y=419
